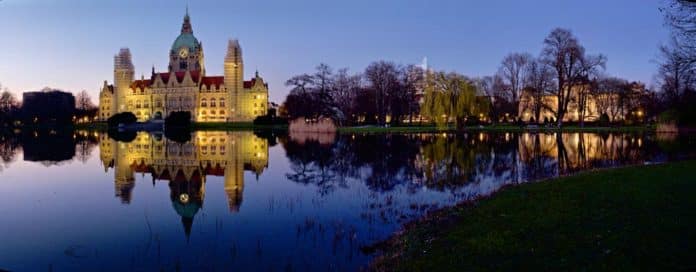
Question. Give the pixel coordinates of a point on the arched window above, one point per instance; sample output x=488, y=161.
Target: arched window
x=222, y=102
x=212, y=102
x=212, y=112
x=204, y=102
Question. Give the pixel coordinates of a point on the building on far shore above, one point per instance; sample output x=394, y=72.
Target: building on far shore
x=185, y=86
x=48, y=106
x=618, y=107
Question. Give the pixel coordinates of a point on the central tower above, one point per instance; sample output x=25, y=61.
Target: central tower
x=234, y=73
x=186, y=53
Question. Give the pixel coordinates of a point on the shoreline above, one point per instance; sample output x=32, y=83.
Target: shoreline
x=247, y=126
x=561, y=206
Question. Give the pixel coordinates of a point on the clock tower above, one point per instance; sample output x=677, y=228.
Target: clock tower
x=186, y=53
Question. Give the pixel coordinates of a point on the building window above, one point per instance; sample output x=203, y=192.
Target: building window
x=222, y=102
x=182, y=65
x=222, y=112
x=158, y=103
x=212, y=102
x=204, y=102
x=212, y=112
x=203, y=112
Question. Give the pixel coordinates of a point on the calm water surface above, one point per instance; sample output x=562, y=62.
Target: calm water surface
x=246, y=201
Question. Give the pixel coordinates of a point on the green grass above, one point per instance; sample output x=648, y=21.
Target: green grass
x=635, y=218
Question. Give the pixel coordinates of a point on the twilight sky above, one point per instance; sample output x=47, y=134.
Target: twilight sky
x=70, y=44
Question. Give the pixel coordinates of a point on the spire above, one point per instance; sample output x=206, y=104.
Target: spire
x=186, y=26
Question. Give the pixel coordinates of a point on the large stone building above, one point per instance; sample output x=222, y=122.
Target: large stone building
x=185, y=86
x=617, y=106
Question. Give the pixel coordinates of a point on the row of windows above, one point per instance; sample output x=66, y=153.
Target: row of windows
x=213, y=112
x=213, y=102
x=213, y=150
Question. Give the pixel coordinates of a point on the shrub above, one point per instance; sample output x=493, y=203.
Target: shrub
x=603, y=119
x=181, y=119
x=270, y=120
x=122, y=118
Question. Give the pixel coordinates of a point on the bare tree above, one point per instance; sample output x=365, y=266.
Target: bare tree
x=412, y=83
x=608, y=96
x=323, y=80
x=495, y=89
x=383, y=79
x=676, y=73
x=539, y=83
x=567, y=57
x=83, y=101
x=512, y=71
x=345, y=90
x=681, y=16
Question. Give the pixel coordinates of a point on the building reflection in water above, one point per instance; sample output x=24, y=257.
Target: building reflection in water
x=185, y=166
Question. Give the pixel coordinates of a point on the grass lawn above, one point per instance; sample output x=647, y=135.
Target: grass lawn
x=635, y=218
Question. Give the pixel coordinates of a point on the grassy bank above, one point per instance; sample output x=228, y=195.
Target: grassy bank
x=491, y=128
x=635, y=218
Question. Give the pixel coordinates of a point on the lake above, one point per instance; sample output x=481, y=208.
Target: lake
x=262, y=201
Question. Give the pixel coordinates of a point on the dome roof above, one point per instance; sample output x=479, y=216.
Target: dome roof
x=186, y=40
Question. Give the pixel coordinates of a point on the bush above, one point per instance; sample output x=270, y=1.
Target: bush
x=180, y=119
x=269, y=120
x=125, y=118
x=177, y=134
x=122, y=136
x=603, y=119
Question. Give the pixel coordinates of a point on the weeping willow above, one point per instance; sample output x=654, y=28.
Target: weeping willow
x=450, y=98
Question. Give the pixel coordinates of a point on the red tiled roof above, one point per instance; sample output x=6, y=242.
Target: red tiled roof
x=250, y=83
x=195, y=75
x=140, y=84
x=216, y=81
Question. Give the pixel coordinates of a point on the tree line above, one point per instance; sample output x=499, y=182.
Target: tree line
x=12, y=111
x=384, y=92
x=563, y=78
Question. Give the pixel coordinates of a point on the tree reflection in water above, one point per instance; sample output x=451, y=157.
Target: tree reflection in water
x=473, y=164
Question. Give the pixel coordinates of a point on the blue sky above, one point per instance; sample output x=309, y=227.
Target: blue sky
x=70, y=44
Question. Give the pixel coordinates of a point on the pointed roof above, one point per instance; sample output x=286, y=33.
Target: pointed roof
x=186, y=38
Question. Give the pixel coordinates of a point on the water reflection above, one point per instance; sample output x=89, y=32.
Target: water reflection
x=185, y=166
x=315, y=201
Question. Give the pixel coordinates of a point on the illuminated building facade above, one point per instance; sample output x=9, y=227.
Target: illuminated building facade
x=618, y=107
x=185, y=86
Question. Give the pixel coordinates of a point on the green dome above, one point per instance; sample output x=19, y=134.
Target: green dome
x=186, y=210
x=185, y=40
